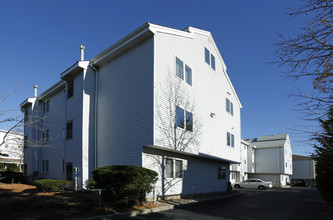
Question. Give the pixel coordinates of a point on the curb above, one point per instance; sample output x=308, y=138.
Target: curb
x=159, y=209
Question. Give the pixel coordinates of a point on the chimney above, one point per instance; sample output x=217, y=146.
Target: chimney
x=82, y=47
x=35, y=91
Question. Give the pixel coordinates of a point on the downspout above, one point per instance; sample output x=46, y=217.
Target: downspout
x=95, y=113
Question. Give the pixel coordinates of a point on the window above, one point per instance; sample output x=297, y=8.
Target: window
x=45, y=166
x=173, y=168
x=230, y=140
x=179, y=68
x=189, y=121
x=188, y=75
x=207, y=56
x=45, y=136
x=179, y=117
x=221, y=172
x=210, y=59
x=45, y=106
x=229, y=106
x=179, y=168
x=169, y=168
x=63, y=165
x=70, y=88
x=69, y=130
x=224, y=172
x=180, y=71
x=213, y=61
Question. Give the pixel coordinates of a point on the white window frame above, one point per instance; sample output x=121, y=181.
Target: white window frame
x=185, y=121
x=174, y=173
x=229, y=106
x=230, y=140
x=185, y=72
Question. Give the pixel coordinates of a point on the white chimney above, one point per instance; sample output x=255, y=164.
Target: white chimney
x=82, y=47
x=35, y=91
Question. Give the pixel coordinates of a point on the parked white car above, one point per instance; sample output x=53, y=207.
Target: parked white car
x=253, y=184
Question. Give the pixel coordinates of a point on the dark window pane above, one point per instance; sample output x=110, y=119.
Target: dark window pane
x=228, y=139
x=219, y=172
x=188, y=75
x=179, y=68
x=232, y=140
x=69, y=130
x=213, y=61
x=231, y=108
x=224, y=172
x=189, y=121
x=207, y=56
x=70, y=88
x=179, y=117
x=227, y=105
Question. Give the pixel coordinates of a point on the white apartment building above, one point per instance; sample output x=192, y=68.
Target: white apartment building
x=240, y=172
x=11, y=149
x=273, y=159
x=159, y=98
x=304, y=167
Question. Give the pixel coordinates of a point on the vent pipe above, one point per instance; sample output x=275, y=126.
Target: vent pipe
x=82, y=48
x=35, y=91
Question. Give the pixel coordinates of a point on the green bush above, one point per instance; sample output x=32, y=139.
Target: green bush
x=12, y=177
x=10, y=167
x=125, y=181
x=47, y=185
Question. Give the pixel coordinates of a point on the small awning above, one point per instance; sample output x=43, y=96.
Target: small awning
x=200, y=155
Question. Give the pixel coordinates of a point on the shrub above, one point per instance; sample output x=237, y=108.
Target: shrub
x=125, y=181
x=12, y=177
x=46, y=185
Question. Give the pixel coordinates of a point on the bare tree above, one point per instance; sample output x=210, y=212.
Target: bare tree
x=178, y=132
x=178, y=125
x=309, y=54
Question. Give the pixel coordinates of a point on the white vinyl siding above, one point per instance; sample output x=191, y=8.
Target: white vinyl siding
x=125, y=106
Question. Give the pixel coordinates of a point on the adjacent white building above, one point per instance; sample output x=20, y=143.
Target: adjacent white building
x=304, y=167
x=239, y=172
x=273, y=159
x=11, y=149
x=159, y=98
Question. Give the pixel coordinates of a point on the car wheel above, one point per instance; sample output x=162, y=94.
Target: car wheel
x=237, y=186
x=261, y=187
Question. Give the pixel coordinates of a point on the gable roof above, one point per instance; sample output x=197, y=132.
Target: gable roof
x=269, y=141
x=148, y=30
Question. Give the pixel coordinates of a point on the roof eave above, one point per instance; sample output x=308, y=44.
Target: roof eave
x=200, y=155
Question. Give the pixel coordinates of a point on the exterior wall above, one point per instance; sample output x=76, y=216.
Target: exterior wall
x=268, y=160
x=31, y=134
x=53, y=150
x=125, y=106
x=207, y=94
x=303, y=169
x=288, y=169
x=251, y=159
x=197, y=174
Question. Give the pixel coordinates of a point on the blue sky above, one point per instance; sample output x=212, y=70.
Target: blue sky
x=40, y=39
